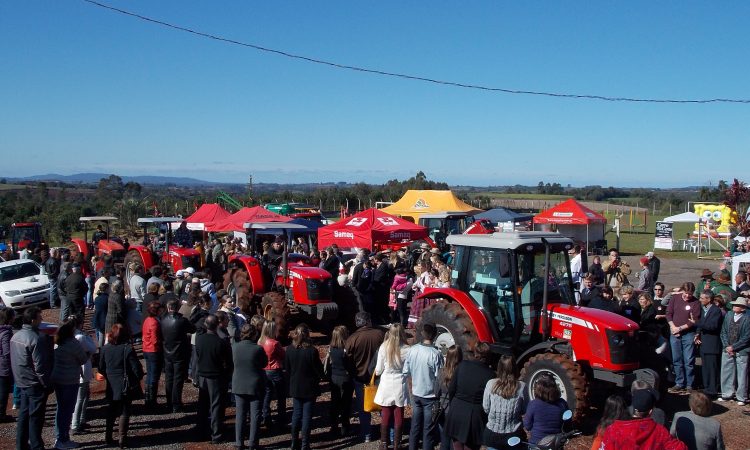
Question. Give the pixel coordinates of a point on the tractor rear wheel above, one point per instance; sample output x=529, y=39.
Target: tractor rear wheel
x=568, y=376
x=237, y=284
x=274, y=307
x=453, y=326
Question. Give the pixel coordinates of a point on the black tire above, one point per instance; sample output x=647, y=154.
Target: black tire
x=237, y=284
x=132, y=257
x=346, y=301
x=274, y=307
x=568, y=375
x=453, y=324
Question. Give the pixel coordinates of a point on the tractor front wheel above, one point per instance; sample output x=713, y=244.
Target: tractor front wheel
x=132, y=258
x=453, y=326
x=274, y=307
x=237, y=284
x=568, y=376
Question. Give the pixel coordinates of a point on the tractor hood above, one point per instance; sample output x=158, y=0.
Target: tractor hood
x=302, y=272
x=592, y=317
x=183, y=251
x=109, y=246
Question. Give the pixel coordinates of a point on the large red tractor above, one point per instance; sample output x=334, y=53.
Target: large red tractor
x=512, y=290
x=157, y=251
x=287, y=288
x=101, y=243
x=24, y=233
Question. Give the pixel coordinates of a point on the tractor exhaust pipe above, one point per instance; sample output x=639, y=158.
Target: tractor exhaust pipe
x=543, y=317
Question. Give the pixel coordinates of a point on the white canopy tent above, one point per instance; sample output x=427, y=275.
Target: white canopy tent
x=686, y=217
x=739, y=262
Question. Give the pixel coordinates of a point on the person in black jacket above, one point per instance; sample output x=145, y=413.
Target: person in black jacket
x=708, y=331
x=214, y=368
x=248, y=385
x=117, y=361
x=75, y=292
x=342, y=373
x=588, y=290
x=304, y=370
x=175, y=330
x=52, y=267
x=605, y=301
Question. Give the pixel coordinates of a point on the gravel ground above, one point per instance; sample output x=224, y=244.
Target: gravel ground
x=157, y=429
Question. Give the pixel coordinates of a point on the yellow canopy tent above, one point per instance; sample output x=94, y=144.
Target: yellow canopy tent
x=415, y=203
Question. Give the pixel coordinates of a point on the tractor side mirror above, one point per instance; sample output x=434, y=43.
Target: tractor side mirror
x=513, y=441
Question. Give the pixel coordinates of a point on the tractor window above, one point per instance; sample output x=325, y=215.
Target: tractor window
x=490, y=285
x=531, y=273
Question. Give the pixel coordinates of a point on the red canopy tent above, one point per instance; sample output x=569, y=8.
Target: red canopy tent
x=368, y=227
x=237, y=221
x=570, y=217
x=206, y=213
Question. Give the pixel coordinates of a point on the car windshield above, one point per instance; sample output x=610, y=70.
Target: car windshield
x=17, y=271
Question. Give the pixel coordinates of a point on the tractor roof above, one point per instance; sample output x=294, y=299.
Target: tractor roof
x=512, y=240
x=160, y=219
x=98, y=219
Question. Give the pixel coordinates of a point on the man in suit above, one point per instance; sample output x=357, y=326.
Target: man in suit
x=175, y=331
x=588, y=290
x=741, y=280
x=214, y=368
x=708, y=330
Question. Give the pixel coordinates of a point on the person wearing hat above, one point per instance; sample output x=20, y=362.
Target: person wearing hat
x=723, y=287
x=640, y=430
x=707, y=281
x=645, y=278
x=735, y=342
x=654, y=265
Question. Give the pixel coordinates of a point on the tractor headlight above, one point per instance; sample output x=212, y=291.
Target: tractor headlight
x=12, y=293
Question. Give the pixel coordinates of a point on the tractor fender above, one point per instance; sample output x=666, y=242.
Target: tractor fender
x=145, y=254
x=82, y=247
x=482, y=327
x=552, y=346
x=254, y=272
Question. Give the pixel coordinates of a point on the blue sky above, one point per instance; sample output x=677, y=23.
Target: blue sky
x=84, y=89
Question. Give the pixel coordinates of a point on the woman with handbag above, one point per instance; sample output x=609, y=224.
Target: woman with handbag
x=304, y=370
x=121, y=368
x=392, y=390
x=340, y=370
x=504, y=402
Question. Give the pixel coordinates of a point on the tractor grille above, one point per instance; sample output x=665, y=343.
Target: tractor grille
x=623, y=347
x=118, y=255
x=319, y=289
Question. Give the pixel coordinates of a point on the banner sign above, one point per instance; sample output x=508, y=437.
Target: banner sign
x=663, y=235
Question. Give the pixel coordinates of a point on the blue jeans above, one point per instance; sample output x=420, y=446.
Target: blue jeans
x=365, y=418
x=683, y=359
x=89, y=298
x=66, y=402
x=154, y=363
x=31, y=418
x=275, y=390
x=421, y=423
x=82, y=402
x=53, y=298
x=302, y=419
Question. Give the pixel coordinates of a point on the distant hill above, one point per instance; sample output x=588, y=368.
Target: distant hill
x=89, y=178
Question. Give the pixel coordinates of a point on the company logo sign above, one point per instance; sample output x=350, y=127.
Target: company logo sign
x=400, y=235
x=388, y=221
x=357, y=221
x=343, y=234
x=562, y=214
x=421, y=204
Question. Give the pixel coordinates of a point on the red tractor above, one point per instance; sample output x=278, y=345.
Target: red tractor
x=24, y=233
x=160, y=250
x=512, y=290
x=287, y=288
x=101, y=243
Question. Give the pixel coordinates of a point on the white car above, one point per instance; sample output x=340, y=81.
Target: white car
x=23, y=283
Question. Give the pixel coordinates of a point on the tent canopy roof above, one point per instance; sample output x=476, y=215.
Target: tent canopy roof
x=237, y=221
x=208, y=212
x=414, y=203
x=686, y=217
x=364, y=229
x=569, y=212
x=503, y=215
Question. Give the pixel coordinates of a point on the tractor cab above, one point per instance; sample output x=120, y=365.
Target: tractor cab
x=443, y=224
x=102, y=243
x=24, y=233
x=157, y=247
x=504, y=275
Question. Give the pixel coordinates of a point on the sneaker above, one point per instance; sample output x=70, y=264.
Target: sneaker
x=15, y=406
x=741, y=403
x=722, y=399
x=65, y=445
x=676, y=390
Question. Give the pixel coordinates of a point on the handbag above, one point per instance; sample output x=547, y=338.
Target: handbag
x=370, y=389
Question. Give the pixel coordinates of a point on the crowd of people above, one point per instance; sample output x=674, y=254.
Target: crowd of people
x=190, y=332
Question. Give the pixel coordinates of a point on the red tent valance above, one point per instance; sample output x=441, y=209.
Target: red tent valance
x=364, y=229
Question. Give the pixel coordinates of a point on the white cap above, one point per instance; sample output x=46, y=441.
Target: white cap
x=190, y=270
x=179, y=273
x=650, y=254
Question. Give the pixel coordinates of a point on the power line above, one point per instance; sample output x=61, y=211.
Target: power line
x=414, y=77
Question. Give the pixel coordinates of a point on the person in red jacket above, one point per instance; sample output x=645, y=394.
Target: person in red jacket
x=152, y=351
x=640, y=432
